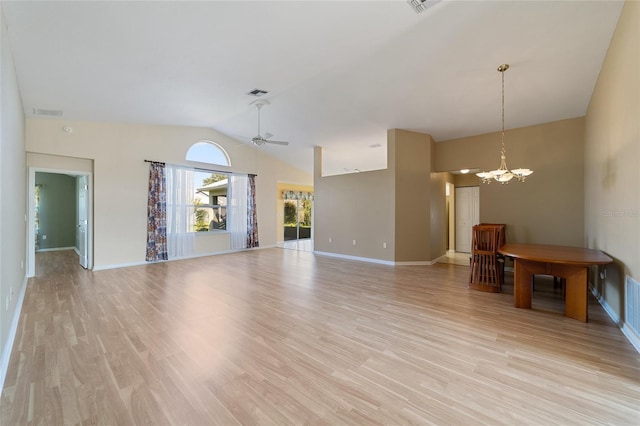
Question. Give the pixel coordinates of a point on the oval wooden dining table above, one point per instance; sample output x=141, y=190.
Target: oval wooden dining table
x=570, y=263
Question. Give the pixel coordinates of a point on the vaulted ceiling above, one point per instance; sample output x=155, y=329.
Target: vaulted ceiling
x=338, y=73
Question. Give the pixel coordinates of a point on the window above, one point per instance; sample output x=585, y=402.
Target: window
x=208, y=152
x=196, y=200
x=210, y=201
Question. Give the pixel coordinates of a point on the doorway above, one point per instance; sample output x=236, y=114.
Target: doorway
x=297, y=219
x=60, y=214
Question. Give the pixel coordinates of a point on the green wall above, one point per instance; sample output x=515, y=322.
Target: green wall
x=58, y=213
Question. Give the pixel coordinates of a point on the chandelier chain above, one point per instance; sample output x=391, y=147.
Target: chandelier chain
x=502, y=174
x=504, y=151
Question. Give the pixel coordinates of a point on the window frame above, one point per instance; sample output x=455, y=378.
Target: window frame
x=218, y=149
x=210, y=205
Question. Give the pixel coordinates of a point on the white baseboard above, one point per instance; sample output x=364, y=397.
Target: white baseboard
x=379, y=261
x=416, y=263
x=628, y=332
x=118, y=265
x=193, y=256
x=631, y=336
x=6, y=353
x=348, y=257
x=56, y=249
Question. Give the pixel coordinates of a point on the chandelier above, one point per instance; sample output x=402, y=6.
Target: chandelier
x=503, y=174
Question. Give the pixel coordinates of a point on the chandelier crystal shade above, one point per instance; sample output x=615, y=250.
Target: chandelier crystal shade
x=502, y=174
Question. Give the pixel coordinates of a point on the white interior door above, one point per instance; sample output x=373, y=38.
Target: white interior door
x=467, y=214
x=83, y=208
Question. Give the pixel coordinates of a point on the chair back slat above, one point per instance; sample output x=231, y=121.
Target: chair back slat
x=486, y=272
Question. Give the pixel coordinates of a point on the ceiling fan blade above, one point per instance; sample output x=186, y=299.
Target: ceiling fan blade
x=268, y=135
x=277, y=142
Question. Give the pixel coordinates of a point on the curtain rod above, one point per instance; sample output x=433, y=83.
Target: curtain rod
x=199, y=168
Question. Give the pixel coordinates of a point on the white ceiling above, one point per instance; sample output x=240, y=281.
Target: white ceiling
x=339, y=73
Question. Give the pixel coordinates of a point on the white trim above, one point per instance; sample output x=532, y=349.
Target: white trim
x=606, y=306
x=417, y=263
x=215, y=144
x=628, y=332
x=380, y=261
x=193, y=256
x=8, y=347
x=121, y=265
x=631, y=336
x=31, y=245
x=57, y=249
x=438, y=259
x=361, y=259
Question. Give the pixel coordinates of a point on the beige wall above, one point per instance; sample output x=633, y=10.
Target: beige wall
x=358, y=206
x=546, y=209
x=438, y=215
x=392, y=206
x=44, y=161
x=118, y=151
x=612, y=160
x=13, y=207
x=412, y=160
x=469, y=179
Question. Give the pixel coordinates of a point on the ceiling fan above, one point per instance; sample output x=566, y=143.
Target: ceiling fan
x=259, y=140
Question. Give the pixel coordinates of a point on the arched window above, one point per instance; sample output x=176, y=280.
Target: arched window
x=208, y=152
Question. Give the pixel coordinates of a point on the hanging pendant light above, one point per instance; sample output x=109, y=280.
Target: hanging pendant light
x=502, y=174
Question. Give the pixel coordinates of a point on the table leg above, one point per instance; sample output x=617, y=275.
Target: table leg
x=522, y=284
x=576, y=297
x=576, y=285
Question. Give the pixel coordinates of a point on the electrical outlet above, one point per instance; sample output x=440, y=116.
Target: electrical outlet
x=10, y=294
x=384, y=245
x=354, y=242
x=7, y=304
x=44, y=237
x=330, y=239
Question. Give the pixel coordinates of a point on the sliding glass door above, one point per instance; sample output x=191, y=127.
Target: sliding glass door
x=297, y=219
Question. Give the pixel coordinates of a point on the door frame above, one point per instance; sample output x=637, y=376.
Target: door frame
x=298, y=206
x=31, y=217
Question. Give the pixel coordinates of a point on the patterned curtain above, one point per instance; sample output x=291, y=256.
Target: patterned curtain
x=297, y=195
x=252, y=214
x=157, y=214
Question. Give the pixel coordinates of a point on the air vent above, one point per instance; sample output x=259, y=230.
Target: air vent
x=257, y=93
x=420, y=6
x=47, y=112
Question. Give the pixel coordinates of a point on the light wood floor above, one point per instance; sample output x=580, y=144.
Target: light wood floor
x=284, y=337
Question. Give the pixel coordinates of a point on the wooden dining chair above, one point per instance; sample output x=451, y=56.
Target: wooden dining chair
x=501, y=228
x=486, y=274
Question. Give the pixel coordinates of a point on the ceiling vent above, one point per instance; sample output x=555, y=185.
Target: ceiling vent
x=420, y=6
x=257, y=93
x=47, y=112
